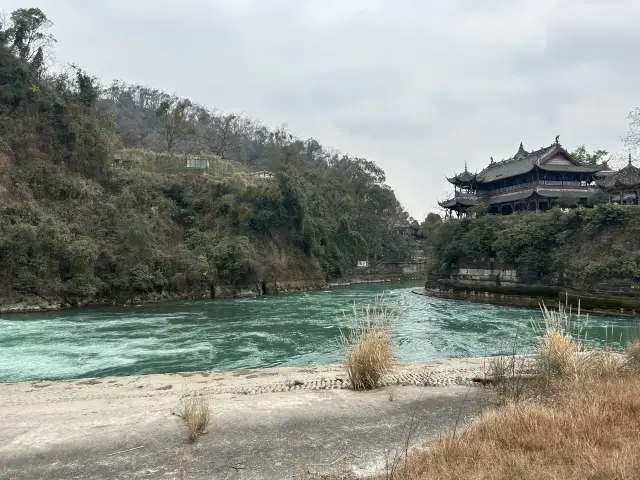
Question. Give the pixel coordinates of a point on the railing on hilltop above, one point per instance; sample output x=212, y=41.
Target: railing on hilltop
x=532, y=184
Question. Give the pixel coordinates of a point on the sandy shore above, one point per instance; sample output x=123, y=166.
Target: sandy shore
x=300, y=417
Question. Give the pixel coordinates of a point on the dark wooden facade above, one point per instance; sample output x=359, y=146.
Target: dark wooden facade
x=529, y=181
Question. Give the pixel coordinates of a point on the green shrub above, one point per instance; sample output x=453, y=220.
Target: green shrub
x=235, y=260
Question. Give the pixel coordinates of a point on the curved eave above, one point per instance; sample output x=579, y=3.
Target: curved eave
x=457, y=203
x=618, y=184
x=453, y=181
x=463, y=179
x=449, y=203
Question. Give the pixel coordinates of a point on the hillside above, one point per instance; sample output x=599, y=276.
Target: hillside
x=588, y=247
x=73, y=226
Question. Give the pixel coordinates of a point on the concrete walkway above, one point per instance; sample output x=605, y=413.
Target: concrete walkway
x=267, y=424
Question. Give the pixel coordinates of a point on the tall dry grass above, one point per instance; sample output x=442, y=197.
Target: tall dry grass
x=633, y=347
x=561, y=352
x=196, y=414
x=581, y=422
x=561, y=344
x=368, y=346
x=586, y=430
x=633, y=354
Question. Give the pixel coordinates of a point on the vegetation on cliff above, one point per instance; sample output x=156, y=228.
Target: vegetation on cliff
x=588, y=245
x=73, y=226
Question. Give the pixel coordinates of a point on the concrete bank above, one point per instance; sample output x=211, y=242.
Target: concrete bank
x=32, y=304
x=267, y=424
x=529, y=298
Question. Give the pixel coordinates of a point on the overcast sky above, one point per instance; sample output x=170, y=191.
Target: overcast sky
x=418, y=86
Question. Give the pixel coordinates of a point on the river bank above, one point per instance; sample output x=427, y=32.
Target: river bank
x=35, y=303
x=532, y=297
x=266, y=423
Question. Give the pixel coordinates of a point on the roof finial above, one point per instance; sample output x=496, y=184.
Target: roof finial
x=491, y=159
x=465, y=166
x=629, y=158
x=557, y=139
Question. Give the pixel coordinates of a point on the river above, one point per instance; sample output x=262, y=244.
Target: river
x=273, y=330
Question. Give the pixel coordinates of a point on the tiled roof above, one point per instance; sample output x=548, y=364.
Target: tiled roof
x=629, y=176
x=523, y=162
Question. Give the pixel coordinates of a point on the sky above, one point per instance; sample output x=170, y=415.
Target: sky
x=418, y=86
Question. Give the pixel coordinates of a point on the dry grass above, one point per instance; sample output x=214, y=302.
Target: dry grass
x=582, y=421
x=509, y=376
x=559, y=349
x=633, y=347
x=602, y=363
x=368, y=347
x=587, y=430
x=633, y=354
x=196, y=414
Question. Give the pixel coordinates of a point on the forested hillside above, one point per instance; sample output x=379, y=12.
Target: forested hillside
x=75, y=227
x=586, y=246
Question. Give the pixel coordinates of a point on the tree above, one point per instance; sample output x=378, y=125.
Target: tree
x=4, y=27
x=593, y=158
x=27, y=35
x=175, y=125
x=88, y=87
x=432, y=219
x=632, y=139
x=478, y=210
x=224, y=134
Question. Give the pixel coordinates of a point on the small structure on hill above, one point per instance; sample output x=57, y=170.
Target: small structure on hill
x=529, y=181
x=263, y=174
x=126, y=160
x=198, y=162
x=174, y=163
x=621, y=187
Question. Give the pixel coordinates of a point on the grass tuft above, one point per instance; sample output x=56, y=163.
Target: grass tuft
x=196, y=414
x=368, y=347
x=559, y=350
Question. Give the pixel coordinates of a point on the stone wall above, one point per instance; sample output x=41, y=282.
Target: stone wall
x=506, y=277
x=483, y=275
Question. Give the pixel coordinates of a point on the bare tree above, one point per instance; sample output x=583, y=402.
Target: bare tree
x=176, y=126
x=4, y=24
x=632, y=140
x=224, y=135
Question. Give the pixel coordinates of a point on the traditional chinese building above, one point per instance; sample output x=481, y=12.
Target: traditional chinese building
x=623, y=186
x=529, y=181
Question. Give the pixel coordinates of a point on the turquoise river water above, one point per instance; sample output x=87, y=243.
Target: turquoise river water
x=274, y=330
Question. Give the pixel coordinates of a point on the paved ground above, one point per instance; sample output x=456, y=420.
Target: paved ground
x=267, y=424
